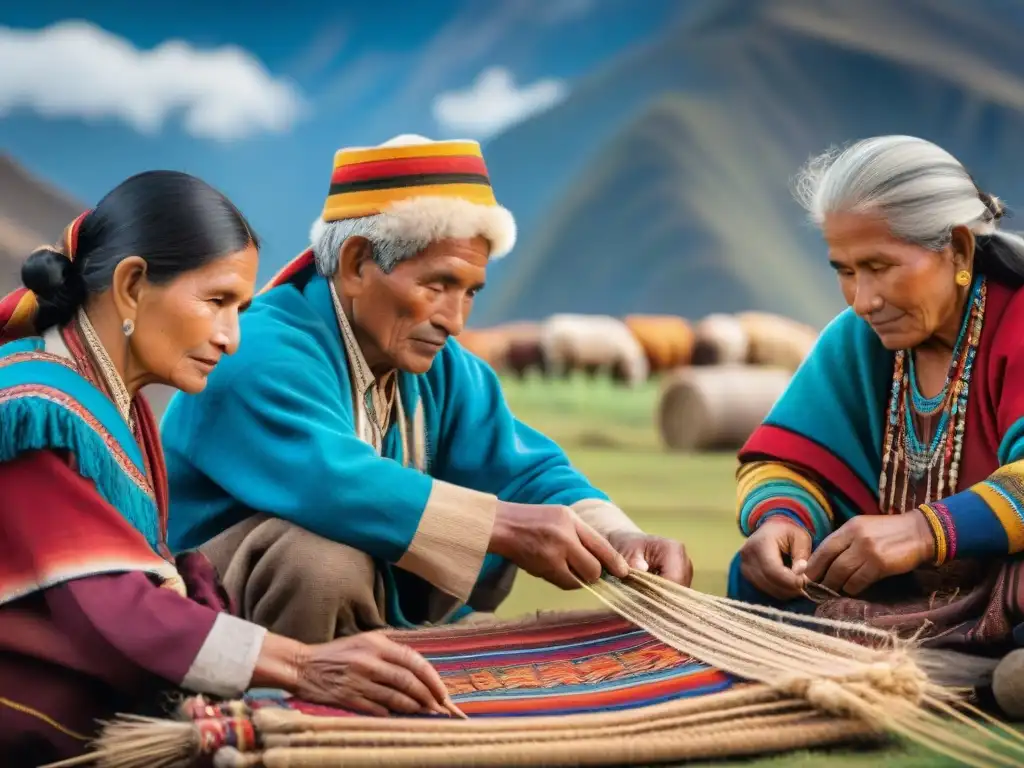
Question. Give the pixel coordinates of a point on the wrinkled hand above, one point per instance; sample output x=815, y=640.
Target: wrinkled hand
x=662, y=557
x=373, y=674
x=551, y=542
x=761, y=556
x=870, y=548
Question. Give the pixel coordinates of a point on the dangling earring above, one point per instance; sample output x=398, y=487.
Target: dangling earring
x=128, y=328
x=963, y=278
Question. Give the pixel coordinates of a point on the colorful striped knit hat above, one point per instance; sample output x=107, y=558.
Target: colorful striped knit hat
x=424, y=190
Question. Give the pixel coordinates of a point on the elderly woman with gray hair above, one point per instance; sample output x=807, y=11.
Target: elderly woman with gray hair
x=891, y=472
x=353, y=466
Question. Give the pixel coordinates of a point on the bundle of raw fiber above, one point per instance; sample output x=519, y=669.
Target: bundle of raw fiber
x=776, y=341
x=719, y=339
x=667, y=340
x=592, y=343
x=684, y=676
x=716, y=408
x=845, y=669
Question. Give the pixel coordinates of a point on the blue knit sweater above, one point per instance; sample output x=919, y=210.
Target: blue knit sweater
x=274, y=432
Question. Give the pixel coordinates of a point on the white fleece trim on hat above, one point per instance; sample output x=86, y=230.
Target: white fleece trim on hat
x=421, y=221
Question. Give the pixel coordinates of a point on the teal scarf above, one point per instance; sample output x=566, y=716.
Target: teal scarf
x=47, y=405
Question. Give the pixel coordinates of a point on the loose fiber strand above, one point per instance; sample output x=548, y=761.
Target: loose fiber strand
x=800, y=654
x=882, y=685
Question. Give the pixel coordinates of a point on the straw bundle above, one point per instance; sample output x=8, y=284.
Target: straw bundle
x=745, y=722
x=716, y=408
x=879, y=680
x=809, y=688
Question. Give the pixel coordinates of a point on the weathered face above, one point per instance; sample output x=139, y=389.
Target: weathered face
x=405, y=317
x=907, y=293
x=184, y=327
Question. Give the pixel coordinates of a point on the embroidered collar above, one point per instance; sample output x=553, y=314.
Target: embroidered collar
x=376, y=397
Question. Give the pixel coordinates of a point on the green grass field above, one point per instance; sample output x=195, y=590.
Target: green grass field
x=610, y=434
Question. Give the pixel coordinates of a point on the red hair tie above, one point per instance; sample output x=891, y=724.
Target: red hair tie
x=71, y=236
x=19, y=308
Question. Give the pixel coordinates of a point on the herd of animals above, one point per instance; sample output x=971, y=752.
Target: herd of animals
x=719, y=376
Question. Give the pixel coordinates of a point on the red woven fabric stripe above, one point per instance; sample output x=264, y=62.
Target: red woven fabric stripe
x=290, y=270
x=783, y=445
x=790, y=505
x=444, y=641
x=622, y=696
x=7, y=306
x=382, y=169
x=557, y=665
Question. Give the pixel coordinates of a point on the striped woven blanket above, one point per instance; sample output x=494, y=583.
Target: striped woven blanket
x=561, y=689
x=595, y=663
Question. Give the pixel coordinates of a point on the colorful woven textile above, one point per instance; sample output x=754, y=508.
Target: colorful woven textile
x=565, y=689
x=593, y=664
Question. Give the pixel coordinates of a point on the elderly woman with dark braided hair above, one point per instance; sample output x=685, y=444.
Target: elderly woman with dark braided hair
x=892, y=469
x=95, y=615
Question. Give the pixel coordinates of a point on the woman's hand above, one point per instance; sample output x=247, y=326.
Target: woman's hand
x=368, y=673
x=371, y=673
x=761, y=560
x=870, y=548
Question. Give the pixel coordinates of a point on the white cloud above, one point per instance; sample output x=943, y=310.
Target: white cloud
x=75, y=69
x=494, y=102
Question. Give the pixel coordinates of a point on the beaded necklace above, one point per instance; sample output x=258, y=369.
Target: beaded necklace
x=904, y=455
x=107, y=370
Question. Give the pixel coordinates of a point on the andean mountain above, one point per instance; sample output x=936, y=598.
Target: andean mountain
x=32, y=212
x=662, y=184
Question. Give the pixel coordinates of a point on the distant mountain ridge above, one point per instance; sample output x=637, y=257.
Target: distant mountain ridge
x=32, y=212
x=662, y=183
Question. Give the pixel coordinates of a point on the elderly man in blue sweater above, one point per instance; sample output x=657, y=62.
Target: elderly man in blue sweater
x=352, y=466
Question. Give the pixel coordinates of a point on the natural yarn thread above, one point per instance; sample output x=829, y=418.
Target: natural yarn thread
x=877, y=682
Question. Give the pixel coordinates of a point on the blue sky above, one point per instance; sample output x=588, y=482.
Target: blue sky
x=257, y=101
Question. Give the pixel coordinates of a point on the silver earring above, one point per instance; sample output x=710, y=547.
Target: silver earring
x=128, y=328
